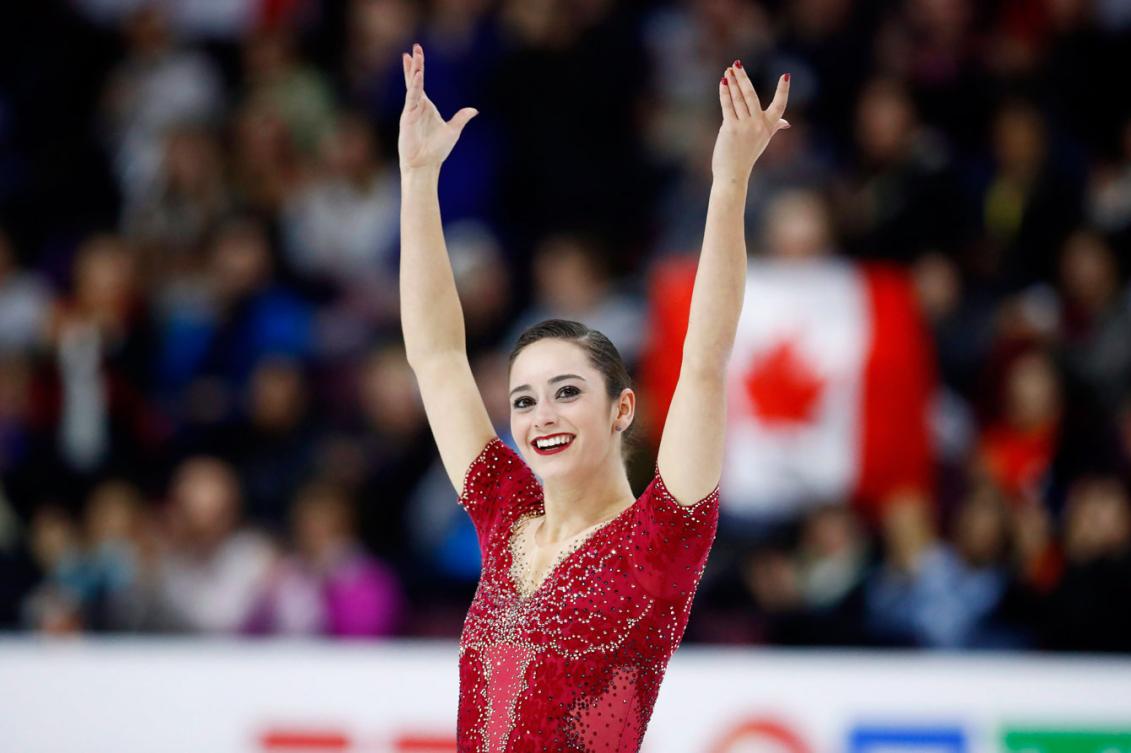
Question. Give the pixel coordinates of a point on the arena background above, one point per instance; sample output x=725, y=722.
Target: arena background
x=223, y=523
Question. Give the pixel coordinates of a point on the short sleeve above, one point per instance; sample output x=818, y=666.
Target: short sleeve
x=670, y=541
x=496, y=480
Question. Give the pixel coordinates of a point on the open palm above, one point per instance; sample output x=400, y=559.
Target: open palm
x=425, y=139
x=747, y=128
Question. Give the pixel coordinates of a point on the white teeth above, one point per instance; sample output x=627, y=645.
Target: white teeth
x=548, y=443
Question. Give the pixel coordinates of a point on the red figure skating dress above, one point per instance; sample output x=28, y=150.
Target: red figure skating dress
x=573, y=663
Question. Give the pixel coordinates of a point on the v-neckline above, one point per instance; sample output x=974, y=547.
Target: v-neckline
x=559, y=559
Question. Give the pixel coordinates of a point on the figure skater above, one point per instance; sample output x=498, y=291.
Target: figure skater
x=585, y=591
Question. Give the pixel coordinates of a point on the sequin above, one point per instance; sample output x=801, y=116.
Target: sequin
x=573, y=662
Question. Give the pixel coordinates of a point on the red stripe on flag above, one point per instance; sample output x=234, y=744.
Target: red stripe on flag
x=670, y=285
x=899, y=380
x=304, y=740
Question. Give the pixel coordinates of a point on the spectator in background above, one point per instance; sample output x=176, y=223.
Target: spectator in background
x=1090, y=608
x=375, y=31
x=1029, y=203
x=329, y=585
x=212, y=343
x=267, y=167
x=156, y=87
x=272, y=446
x=297, y=93
x=484, y=282
x=898, y=197
x=54, y=607
x=572, y=280
x=398, y=450
x=936, y=46
x=340, y=233
x=1096, y=318
x=809, y=591
x=1109, y=192
x=948, y=597
x=101, y=340
x=24, y=303
x=90, y=573
x=170, y=223
x=212, y=568
x=1017, y=445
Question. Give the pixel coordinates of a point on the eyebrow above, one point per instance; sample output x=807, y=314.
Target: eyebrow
x=558, y=378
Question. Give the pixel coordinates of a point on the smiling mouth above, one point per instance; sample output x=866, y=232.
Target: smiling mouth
x=555, y=448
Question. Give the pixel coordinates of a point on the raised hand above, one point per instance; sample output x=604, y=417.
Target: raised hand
x=746, y=128
x=425, y=139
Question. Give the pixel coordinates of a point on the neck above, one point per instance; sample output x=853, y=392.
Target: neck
x=572, y=507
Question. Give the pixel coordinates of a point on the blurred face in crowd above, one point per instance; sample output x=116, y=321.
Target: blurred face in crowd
x=567, y=275
x=147, y=31
x=575, y=406
x=1019, y=139
x=1088, y=273
x=390, y=396
x=831, y=531
x=884, y=121
x=205, y=502
x=376, y=27
x=1032, y=391
x=53, y=537
x=15, y=391
x=481, y=277
x=322, y=521
x=937, y=285
x=263, y=143
x=1098, y=520
x=278, y=396
x=348, y=150
x=7, y=256
x=980, y=531
x=104, y=278
x=797, y=226
x=241, y=260
x=113, y=512
x=267, y=55
x=192, y=161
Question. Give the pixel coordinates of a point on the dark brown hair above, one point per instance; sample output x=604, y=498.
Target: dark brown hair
x=603, y=356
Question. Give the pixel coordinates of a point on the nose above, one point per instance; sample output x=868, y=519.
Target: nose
x=544, y=415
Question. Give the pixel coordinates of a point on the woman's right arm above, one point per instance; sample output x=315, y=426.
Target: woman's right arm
x=431, y=317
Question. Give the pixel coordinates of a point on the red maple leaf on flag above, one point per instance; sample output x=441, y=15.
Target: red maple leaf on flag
x=782, y=386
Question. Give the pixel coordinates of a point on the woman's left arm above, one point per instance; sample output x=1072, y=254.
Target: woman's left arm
x=690, y=457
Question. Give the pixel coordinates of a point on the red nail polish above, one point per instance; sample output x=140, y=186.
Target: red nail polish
x=787, y=78
x=725, y=81
x=737, y=63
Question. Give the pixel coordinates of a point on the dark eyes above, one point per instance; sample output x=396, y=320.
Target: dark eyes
x=570, y=393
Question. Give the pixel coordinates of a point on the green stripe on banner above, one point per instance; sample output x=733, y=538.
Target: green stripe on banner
x=1066, y=741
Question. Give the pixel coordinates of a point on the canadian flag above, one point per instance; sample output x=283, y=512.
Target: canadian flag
x=828, y=385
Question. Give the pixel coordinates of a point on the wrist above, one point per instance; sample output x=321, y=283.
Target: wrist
x=734, y=177
x=730, y=185
x=422, y=174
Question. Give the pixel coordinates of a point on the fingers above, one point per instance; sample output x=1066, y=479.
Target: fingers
x=406, y=60
x=741, y=109
x=746, y=88
x=724, y=98
x=414, y=73
x=781, y=96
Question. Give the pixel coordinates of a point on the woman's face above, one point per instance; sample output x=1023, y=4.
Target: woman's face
x=556, y=393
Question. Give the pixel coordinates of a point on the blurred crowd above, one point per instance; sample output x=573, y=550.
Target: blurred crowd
x=207, y=423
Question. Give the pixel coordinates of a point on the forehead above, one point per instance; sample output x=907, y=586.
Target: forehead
x=549, y=357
